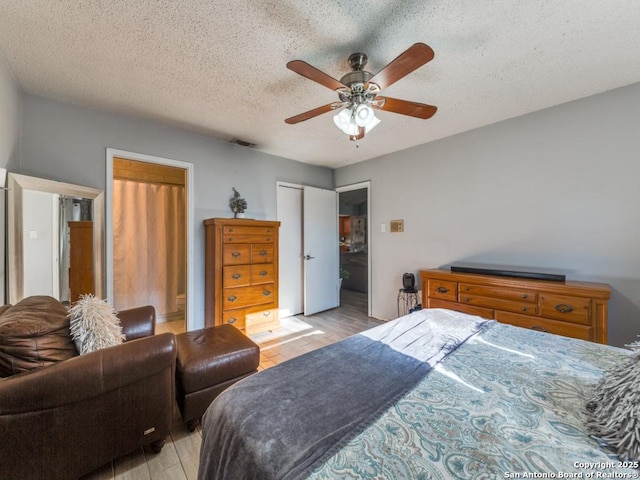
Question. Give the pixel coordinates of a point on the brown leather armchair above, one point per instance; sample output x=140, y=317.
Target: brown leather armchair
x=67, y=419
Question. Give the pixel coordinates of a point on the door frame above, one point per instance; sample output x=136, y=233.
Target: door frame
x=190, y=229
x=359, y=186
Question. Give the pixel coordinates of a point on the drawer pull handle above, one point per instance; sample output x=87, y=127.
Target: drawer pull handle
x=268, y=239
x=232, y=320
x=524, y=295
x=236, y=254
x=466, y=299
x=266, y=314
x=236, y=276
x=442, y=289
x=231, y=229
x=263, y=253
x=263, y=273
x=232, y=298
x=231, y=239
x=524, y=309
x=563, y=308
x=468, y=289
x=266, y=293
x=539, y=329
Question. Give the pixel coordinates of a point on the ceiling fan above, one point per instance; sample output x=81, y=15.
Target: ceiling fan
x=359, y=91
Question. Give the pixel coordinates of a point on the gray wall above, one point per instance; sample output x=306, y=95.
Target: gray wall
x=554, y=189
x=68, y=143
x=9, y=118
x=559, y=188
x=9, y=147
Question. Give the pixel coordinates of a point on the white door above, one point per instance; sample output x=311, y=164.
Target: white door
x=321, y=260
x=289, y=205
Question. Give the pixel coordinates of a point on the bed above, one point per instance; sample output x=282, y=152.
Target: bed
x=435, y=394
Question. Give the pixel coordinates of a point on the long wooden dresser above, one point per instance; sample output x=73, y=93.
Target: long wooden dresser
x=572, y=309
x=241, y=274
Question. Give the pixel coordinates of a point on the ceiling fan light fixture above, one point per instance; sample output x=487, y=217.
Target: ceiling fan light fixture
x=343, y=119
x=350, y=119
x=352, y=129
x=363, y=115
x=372, y=123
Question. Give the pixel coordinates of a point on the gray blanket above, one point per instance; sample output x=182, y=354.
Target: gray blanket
x=282, y=422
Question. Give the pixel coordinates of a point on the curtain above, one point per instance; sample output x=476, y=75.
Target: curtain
x=149, y=259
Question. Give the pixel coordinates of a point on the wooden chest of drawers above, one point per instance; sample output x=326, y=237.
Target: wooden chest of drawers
x=572, y=309
x=241, y=274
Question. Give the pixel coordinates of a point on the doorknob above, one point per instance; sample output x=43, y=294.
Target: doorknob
x=308, y=257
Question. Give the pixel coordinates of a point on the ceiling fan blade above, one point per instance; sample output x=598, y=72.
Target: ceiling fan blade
x=312, y=73
x=312, y=113
x=408, y=61
x=404, y=107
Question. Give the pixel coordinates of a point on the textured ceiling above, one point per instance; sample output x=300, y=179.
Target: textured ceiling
x=218, y=67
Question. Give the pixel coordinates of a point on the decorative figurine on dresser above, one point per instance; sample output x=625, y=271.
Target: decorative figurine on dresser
x=241, y=274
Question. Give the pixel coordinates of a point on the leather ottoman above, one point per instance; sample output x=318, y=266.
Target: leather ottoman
x=209, y=361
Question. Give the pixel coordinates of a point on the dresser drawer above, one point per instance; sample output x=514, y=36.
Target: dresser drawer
x=239, y=238
x=245, y=230
x=262, y=273
x=261, y=253
x=442, y=289
x=499, y=304
x=545, y=325
x=569, y=309
x=460, y=307
x=236, y=254
x=515, y=294
x=236, y=276
x=253, y=319
x=262, y=320
x=244, y=296
x=235, y=317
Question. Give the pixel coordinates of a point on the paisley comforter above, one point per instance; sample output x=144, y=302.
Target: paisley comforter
x=494, y=402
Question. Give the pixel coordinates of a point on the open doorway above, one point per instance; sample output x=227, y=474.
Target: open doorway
x=149, y=241
x=149, y=247
x=354, y=244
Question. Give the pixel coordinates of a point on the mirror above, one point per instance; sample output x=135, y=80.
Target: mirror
x=55, y=239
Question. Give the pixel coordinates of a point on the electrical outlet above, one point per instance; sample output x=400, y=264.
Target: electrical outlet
x=383, y=227
x=396, y=226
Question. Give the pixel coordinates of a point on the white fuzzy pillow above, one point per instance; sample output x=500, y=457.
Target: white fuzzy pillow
x=94, y=325
x=614, y=409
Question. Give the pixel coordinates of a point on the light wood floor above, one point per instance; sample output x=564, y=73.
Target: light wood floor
x=178, y=460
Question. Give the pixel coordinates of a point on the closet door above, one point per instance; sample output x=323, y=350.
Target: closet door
x=321, y=255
